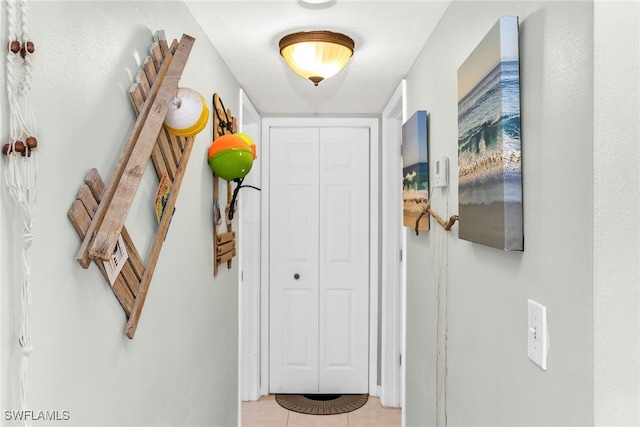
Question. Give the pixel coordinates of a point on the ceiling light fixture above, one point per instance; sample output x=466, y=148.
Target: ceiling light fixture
x=316, y=55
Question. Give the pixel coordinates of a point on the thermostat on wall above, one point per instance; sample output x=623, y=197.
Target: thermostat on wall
x=441, y=175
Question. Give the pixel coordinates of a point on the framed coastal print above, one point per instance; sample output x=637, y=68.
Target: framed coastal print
x=489, y=146
x=415, y=171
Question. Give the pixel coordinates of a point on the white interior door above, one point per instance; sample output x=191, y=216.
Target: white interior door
x=319, y=260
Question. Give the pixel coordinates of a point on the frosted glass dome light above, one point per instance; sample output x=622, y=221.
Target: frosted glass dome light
x=316, y=55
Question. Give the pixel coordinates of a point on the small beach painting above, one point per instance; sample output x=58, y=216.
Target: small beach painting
x=489, y=153
x=415, y=171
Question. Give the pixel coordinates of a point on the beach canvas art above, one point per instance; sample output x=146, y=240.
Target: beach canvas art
x=415, y=171
x=489, y=146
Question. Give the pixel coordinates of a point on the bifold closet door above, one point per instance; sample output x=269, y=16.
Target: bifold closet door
x=319, y=260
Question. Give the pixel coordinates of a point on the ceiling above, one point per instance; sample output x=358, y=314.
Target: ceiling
x=388, y=37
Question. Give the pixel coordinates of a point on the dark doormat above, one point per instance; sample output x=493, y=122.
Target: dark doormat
x=322, y=404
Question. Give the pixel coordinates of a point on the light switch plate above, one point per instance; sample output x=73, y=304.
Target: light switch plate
x=441, y=175
x=538, y=334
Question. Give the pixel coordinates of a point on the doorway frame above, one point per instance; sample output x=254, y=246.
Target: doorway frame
x=393, y=307
x=250, y=123
x=374, y=171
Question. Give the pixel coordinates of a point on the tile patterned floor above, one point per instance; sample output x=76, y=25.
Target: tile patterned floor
x=267, y=413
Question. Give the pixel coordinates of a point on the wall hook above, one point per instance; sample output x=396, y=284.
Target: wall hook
x=445, y=224
x=232, y=205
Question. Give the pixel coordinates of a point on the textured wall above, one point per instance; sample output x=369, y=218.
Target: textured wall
x=466, y=355
x=181, y=368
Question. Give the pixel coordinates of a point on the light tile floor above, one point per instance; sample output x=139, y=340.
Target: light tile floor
x=267, y=413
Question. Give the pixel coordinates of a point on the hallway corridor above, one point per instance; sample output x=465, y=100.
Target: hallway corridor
x=267, y=413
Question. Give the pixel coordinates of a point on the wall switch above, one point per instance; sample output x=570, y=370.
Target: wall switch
x=538, y=342
x=441, y=175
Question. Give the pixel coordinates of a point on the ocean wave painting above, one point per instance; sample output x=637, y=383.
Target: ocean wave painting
x=415, y=171
x=489, y=144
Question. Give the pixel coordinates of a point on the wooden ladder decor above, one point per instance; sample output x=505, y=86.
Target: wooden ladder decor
x=224, y=244
x=99, y=212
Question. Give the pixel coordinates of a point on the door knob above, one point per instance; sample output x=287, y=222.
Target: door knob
x=296, y=276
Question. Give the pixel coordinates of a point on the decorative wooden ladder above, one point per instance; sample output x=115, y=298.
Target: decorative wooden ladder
x=224, y=244
x=99, y=212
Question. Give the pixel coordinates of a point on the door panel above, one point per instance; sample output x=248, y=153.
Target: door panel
x=319, y=229
x=293, y=251
x=344, y=260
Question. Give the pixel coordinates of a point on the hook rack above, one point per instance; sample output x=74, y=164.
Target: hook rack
x=99, y=212
x=224, y=244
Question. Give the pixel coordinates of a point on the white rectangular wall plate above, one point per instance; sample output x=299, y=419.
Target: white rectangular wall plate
x=538, y=333
x=441, y=175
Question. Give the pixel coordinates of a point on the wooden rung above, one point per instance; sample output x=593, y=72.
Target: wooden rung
x=226, y=247
x=156, y=56
x=149, y=69
x=144, y=82
x=167, y=153
x=226, y=257
x=137, y=97
x=134, y=257
x=175, y=147
x=129, y=276
x=182, y=141
x=122, y=292
x=158, y=163
x=87, y=199
x=120, y=194
x=226, y=237
x=79, y=217
x=164, y=47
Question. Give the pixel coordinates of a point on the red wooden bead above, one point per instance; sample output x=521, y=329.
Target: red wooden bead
x=19, y=146
x=29, y=47
x=14, y=46
x=6, y=149
x=32, y=142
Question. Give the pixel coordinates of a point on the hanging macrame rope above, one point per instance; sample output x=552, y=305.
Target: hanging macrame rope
x=21, y=153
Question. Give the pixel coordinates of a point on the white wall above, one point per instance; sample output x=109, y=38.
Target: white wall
x=616, y=207
x=466, y=303
x=182, y=366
